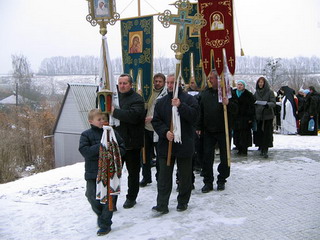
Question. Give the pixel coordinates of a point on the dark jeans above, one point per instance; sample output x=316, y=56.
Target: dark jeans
x=132, y=161
x=209, y=142
x=184, y=166
x=102, y=210
x=149, y=150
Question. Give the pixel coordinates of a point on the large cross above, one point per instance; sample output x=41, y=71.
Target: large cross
x=182, y=20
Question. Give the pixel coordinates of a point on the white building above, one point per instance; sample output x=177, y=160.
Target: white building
x=72, y=120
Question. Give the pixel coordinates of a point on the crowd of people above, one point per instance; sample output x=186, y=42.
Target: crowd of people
x=145, y=132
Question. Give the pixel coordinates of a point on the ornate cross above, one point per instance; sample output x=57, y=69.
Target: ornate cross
x=182, y=20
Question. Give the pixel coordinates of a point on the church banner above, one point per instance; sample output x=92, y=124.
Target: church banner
x=217, y=35
x=137, y=52
x=191, y=66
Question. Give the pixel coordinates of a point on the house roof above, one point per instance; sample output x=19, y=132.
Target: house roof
x=85, y=100
x=12, y=99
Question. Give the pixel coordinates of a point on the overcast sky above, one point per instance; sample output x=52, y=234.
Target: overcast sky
x=41, y=28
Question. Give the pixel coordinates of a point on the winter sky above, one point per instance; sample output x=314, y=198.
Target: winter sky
x=40, y=28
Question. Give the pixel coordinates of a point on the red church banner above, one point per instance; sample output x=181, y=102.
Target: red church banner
x=217, y=35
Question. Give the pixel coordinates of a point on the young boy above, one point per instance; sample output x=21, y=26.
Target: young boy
x=89, y=148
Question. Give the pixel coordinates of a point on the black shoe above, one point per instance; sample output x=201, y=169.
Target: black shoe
x=162, y=210
x=103, y=231
x=221, y=186
x=129, y=203
x=144, y=183
x=182, y=207
x=207, y=188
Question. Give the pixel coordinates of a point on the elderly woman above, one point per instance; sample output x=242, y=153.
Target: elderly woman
x=264, y=105
x=242, y=137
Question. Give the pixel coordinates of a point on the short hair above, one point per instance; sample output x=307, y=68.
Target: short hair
x=94, y=112
x=159, y=75
x=171, y=75
x=127, y=75
x=311, y=88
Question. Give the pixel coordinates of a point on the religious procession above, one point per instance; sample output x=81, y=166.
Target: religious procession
x=181, y=123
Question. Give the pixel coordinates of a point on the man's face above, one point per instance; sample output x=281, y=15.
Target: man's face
x=213, y=80
x=101, y=4
x=170, y=83
x=97, y=121
x=158, y=83
x=193, y=85
x=124, y=84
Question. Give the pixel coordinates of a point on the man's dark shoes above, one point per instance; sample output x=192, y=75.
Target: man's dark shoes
x=144, y=182
x=221, y=186
x=103, y=231
x=182, y=207
x=129, y=203
x=161, y=210
x=207, y=188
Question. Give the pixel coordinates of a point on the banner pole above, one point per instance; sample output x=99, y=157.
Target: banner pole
x=225, y=116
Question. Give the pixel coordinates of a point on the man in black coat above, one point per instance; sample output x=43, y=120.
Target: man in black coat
x=131, y=115
x=188, y=110
x=211, y=125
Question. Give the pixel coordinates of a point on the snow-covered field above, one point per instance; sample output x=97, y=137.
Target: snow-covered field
x=256, y=204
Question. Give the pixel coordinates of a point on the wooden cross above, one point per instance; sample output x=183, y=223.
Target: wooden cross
x=182, y=20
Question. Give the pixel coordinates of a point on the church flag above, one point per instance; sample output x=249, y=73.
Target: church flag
x=217, y=35
x=191, y=66
x=137, y=52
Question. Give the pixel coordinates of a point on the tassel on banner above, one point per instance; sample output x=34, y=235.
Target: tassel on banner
x=241, y=52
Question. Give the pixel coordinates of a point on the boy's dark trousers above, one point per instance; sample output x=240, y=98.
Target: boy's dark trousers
x=102, y=210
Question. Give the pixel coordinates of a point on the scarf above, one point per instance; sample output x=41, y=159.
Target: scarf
x=109, y=167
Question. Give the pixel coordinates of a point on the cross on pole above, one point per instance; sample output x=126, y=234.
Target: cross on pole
x=182, y=20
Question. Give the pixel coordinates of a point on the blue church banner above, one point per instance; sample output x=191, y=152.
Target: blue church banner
x=191, y=61
x=137, y=52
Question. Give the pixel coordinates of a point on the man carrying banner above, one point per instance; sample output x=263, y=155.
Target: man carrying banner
x=188, y=110
x=211, y=126
x=158, y=91
x=131, y=115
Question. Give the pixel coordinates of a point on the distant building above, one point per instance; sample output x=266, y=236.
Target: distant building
x=12, y=100
x=72, y=121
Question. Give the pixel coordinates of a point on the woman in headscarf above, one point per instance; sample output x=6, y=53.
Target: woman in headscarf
x=289, y=111
x=264, y=105
x=242, y=137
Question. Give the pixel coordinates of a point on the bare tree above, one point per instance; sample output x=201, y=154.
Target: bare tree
x=22, y=75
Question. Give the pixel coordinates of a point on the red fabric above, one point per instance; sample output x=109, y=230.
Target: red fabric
x=217, y=34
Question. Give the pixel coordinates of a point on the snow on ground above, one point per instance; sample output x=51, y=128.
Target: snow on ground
x=264, y=199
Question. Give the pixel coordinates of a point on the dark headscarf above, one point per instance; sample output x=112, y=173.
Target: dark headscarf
x=289, y=94
x=266, y=88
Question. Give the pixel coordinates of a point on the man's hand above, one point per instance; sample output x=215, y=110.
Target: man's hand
x=148, y=119
x=170, y=136
x=225, y=100
x=175, y=102
x=198, y=132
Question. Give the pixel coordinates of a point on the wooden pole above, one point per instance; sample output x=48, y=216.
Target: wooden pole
x=178, y=69
x=170, y=146
x=139, y=8
x=225, y=115
x=105, y=66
